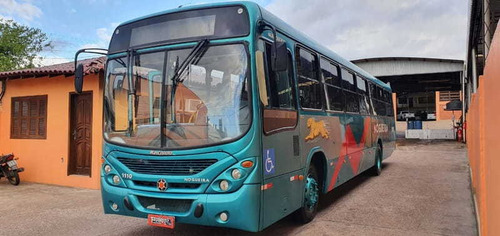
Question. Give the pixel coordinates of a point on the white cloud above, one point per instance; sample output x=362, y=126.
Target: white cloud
x=103, y=36
x=23, y=9
x=385, y=28
x=92, y=45
x=47, y=61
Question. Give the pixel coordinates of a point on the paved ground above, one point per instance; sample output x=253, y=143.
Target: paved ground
x=423, y=190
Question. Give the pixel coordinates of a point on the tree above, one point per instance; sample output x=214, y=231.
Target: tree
x=20, y=45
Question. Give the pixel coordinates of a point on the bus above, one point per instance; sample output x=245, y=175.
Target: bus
x=223, y=115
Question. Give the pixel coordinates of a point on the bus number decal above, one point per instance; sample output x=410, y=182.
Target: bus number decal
x=126, y=176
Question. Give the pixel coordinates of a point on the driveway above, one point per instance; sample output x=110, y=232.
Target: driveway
x=424, y=189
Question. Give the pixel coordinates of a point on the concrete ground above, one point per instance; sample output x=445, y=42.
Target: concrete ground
x=423, y=190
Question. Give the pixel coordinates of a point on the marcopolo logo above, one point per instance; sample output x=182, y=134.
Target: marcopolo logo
x=161, y=153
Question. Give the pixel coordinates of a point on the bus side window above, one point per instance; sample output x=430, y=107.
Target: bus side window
x=380, y=103
x=351, y=96
x=332, y=85
x=364, y=106
x=373, y=95
x=279, y=84
x=310, y=90
x=390, y=109
x=280, y=113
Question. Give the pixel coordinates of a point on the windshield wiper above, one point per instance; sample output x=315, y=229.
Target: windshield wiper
x=196, y=53
x=193, y=57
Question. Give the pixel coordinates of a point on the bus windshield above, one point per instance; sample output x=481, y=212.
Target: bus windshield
x=208, y=105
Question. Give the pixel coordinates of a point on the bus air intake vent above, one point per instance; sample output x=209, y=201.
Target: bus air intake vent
x=165, y=205
x=166, y=167
x=170, y=185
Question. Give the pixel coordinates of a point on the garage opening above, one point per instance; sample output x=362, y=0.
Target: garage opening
x=422, y=87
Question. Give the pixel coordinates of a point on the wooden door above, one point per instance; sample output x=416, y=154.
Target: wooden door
x=80, y=137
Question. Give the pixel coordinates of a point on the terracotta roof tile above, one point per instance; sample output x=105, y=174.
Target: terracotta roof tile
x=90, y=66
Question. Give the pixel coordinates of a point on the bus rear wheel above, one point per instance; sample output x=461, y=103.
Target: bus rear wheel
x=377, y=168
x=311, y=197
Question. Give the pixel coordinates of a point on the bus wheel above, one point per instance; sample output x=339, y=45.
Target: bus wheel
x=311, y=197
x=377, y=168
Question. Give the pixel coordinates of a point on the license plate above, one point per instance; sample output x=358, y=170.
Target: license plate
x=161, y=221
x=12, y=163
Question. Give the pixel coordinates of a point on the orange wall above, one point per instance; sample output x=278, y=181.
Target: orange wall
x=441, y=114
x=46, y=160
x=395, y=105
x=483, y=129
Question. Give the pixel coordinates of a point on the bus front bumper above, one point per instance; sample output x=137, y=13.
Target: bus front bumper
x=241, y=206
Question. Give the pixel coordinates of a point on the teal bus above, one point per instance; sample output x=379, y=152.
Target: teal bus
x=223, y=115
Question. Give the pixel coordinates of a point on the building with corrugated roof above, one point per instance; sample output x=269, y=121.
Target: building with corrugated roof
x=421, y=89
x=55, y=133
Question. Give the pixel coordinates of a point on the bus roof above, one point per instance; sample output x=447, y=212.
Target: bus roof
x=188, y=7
x=281, y=26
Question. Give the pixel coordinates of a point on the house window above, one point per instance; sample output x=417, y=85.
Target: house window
x=29, y=117
x=445, y=96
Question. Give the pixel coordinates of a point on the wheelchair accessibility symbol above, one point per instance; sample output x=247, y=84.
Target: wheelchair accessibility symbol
x=269, y=161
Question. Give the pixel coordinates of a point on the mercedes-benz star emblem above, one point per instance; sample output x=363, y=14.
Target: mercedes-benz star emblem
x=162, y=185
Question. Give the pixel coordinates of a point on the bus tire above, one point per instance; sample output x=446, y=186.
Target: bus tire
x=377, y=168
x=309, y=208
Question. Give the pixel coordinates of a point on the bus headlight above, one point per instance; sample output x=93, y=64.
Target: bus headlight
x=224, y=185
x=223, y=217
x=107, y=169
x=232, y=178
x=114, y=206
x=116, y=179
x=236, y=174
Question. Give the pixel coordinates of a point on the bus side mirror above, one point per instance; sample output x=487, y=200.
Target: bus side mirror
x=79, y=78
x=279, y=57
x=79, y=68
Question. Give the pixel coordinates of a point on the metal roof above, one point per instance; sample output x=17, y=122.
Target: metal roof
x=90, y=66
x=394, y=66
x=480, y=31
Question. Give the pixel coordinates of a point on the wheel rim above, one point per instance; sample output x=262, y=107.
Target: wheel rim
x=379, y=164
x=312, y=195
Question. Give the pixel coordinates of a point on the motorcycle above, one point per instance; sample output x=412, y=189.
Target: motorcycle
x=10, y=170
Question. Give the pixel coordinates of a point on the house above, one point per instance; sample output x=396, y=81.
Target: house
x=55, y=133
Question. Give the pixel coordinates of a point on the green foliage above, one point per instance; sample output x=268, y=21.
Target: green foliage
x=20, y=45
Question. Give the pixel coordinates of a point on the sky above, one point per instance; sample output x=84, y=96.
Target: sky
x=352, y=28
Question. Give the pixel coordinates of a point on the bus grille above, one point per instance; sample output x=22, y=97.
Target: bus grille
x=166, y=167
x=166, y=205
x=170, y=185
